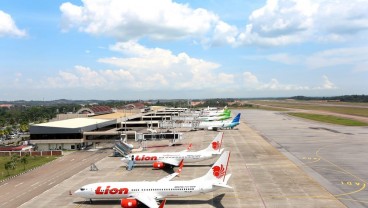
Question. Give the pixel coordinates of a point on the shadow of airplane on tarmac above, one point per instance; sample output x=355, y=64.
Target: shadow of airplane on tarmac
x=215, y=202
x=168, y=170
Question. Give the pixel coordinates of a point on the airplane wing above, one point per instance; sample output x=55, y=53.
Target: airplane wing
x=147, y=199
x=171, y=161
x=173, y=175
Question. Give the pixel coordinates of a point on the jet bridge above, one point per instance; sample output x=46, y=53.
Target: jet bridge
x=122, y=148
x=173, y=137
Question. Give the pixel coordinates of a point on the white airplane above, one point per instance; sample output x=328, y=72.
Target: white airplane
x=148, y=192
x=215, y=125
x=215, y=112
x=214, y=118
x=163, y=159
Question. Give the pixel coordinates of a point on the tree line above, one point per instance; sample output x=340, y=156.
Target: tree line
x=343, y=98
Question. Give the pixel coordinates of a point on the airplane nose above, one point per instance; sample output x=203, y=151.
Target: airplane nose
x=77, y=192
x=125, y=160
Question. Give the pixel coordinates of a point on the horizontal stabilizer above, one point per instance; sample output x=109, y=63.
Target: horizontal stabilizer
x=222, y=185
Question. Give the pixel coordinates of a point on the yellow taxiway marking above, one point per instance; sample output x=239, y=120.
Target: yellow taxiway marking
x=343, y=171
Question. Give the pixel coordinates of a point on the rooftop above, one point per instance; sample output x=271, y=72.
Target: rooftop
x=73, y=123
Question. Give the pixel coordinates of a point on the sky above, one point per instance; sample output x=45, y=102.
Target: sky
x=166, y=49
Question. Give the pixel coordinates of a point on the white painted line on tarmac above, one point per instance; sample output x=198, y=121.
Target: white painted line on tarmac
x=51, y=183
x=35, y=183
x=18, y=184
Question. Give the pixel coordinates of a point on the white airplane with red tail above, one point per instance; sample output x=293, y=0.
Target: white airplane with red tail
x=148, y=192
x=170, y=159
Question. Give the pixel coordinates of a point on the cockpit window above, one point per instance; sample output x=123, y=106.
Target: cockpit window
x=82, y=189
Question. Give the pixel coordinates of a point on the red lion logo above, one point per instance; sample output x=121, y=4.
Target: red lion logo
x=218, y=171
x=216, y=145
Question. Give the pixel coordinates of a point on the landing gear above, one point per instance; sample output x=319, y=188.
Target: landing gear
x=90, y=201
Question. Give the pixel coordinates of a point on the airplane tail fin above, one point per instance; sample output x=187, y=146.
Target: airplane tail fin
x=217, y=173
x=237, y=118
x=215, y=145
x=227, y=112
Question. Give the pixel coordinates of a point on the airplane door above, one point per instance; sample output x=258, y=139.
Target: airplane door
x=130, y=164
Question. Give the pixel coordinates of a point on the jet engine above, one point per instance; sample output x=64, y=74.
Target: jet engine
x=158, y=165
x=212, y=128
x=129, y=203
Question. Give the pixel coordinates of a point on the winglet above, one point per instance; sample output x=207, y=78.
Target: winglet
x=162, y=204
x=181, y=164
x=189, y=147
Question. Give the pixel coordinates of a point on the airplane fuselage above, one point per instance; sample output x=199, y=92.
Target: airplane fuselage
x=120, y=190
x=188, y=157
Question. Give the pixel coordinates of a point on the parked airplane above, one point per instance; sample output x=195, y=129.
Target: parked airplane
x=215, y=125
x=171, y=159
x=226, y=115
x=147, y=192
x=217, y=112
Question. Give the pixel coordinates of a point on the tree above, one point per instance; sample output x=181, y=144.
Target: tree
x=10, y=165
x=14, y=158
x=24, y=161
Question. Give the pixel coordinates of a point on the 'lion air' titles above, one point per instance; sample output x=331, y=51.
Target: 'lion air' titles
x=109, y=190
x=143, y=157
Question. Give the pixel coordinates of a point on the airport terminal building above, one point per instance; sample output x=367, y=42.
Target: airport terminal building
x=66, y=134
x=77, y=133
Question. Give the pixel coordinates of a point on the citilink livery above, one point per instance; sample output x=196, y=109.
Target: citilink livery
x=148, y=192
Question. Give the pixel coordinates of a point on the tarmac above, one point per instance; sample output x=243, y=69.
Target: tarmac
x=262, y=176
x=333, y=155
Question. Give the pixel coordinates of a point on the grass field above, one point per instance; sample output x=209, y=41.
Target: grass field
x=348, y=110
x=329, y=119
x=33, y=161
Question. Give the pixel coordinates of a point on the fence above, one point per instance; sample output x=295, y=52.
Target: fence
x=32, y=153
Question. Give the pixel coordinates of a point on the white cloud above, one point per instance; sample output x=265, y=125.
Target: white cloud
x=8, y=27
x=278, y=22
x=282, y=22
x=129, y=20
x=251, y=82
x=327, y=84
x=144, y=68
x=356, y=58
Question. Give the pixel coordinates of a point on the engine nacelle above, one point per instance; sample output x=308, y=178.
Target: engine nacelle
x=158, y=165
x=212, y=128
x=129, y=203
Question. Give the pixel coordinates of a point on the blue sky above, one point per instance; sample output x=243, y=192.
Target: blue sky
x=144, y=49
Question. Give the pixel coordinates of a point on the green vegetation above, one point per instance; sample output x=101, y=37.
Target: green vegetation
x=343, y=98
x=348, y=110
x=10, y=166
x=330, y=119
